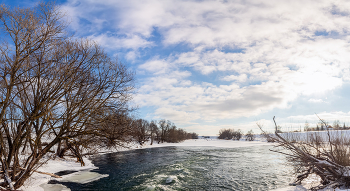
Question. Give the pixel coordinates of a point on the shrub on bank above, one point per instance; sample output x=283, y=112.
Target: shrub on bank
x=229, y=134
x=226, y=134
x=237, y=135
x=250, y=135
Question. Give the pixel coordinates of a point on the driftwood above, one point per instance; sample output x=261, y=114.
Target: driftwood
x=47, y=173
x=309, y=159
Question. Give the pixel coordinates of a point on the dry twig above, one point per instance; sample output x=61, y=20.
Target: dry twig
x=310, y=159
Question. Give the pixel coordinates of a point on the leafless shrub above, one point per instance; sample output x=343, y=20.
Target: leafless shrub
x=267, y=136
x=250, y=135
x=229, y=134
x=237, y=135
x=326, y=155
x=153, y=128
x=226, y=134
x=193, y=136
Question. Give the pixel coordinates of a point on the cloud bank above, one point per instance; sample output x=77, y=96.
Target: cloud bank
x=205, y=61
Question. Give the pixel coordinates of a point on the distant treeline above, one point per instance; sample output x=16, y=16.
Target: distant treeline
x=323, y=127
x=159, y=131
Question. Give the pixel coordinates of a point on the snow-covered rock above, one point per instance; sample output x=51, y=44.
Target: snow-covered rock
x=170, y=179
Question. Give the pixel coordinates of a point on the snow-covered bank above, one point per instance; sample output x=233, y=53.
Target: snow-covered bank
x=36, y=181
x=210, y=143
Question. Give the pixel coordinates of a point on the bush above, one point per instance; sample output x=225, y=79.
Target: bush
x=237, y=135
x=193, y=135
x=226, y=134
x=229, y=134
x=250, y=135
x=268, y=136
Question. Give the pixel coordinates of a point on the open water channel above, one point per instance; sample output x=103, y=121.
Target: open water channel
x=190, y=168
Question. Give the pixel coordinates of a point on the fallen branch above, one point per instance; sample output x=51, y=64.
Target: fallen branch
x=323, y=163
x=47, y=173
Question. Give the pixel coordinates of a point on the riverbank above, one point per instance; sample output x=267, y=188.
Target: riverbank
x=38, y=182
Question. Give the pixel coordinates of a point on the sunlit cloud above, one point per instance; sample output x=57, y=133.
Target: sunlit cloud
x=111, y=42
x=316, y=100
x=240, y=78
x=206, y=61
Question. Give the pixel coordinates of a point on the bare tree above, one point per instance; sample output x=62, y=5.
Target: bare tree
x=114, y=128
x=140, y=130
x=336, y=125
x=306, y=126
x=168, y=132
x=164, y=126
x=153, y=130
x=52, y=88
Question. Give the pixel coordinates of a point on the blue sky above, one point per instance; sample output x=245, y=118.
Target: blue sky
x=207, y=65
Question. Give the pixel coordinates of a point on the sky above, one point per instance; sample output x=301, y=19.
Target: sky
x=212, y=64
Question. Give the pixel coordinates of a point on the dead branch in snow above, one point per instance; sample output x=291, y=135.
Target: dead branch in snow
x=327, y=158
x=47, y=173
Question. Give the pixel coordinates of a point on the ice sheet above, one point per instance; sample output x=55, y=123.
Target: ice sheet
x=83, y=177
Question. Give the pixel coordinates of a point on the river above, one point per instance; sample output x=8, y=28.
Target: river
x=190, y=168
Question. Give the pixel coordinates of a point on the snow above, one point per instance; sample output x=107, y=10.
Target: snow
x=83, y=177
x=170, y=179
x=292, y=188
x=324, y=162
x=347, y=172
x=150, y=188
x=54, y=187
x=38, y=182
x=210, y=143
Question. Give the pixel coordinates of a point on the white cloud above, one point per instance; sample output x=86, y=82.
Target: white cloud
x=278, y=86
x=156, y=66
x=330, y=117
x=267, y=51
x=316, y=100
x=218, y=23
x=213, y=23
x=132, y=55
x=206, y=101
x=240, y=78
x=178, y=116
x=112, y=42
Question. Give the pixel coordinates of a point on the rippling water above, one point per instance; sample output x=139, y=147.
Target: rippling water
x=191, y=168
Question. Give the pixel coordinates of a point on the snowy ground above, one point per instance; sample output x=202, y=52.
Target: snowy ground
x=38, y=182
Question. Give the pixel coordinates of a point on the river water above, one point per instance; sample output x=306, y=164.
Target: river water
x=190, y=168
